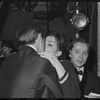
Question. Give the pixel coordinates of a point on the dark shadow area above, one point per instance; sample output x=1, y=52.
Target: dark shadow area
x=4, y=10
x=91, y=63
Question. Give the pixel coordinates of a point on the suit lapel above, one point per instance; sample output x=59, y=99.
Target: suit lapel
x=77, y=75
x=84, y=81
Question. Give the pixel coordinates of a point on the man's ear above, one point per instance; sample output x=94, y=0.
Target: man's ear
x=38, y=38
x=39, y=35
x=70, y=53
x=58, y=53
x=41, y=43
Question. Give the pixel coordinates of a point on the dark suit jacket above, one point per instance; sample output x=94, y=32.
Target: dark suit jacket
x=70, y=87
x=1, y=60
x=27, y=75
x=90, y=83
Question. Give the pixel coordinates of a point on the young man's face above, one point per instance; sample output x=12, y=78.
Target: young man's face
x=79, y=54
x=51, y=44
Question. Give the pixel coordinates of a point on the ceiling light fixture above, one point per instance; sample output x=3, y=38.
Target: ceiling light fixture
x=79, y=20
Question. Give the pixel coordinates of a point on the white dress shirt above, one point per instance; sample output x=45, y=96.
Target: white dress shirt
x=80, y=76
x=32, y=47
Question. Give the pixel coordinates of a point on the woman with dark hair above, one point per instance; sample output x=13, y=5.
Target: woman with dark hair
x=55, y=46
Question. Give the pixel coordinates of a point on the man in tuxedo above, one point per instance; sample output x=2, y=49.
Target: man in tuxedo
x=26, y=74
x=78, y=53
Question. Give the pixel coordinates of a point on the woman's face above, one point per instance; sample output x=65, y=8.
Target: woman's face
x=51, y=44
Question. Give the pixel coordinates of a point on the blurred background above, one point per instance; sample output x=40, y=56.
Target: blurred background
x=71, y=19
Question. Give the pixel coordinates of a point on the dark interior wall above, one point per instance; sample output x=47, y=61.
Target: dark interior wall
x=12, y=22
x=15, y=19
x=59, y=24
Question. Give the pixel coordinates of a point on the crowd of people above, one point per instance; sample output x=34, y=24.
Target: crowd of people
x=36, y=69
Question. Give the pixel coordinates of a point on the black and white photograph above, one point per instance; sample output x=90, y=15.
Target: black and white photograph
x=49, y=49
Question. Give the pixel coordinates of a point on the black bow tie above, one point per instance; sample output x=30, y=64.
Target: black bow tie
x=80, y=72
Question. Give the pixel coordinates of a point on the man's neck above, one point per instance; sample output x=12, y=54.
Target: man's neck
x=32, y=46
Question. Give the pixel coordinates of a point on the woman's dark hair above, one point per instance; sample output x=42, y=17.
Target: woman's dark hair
x=61, y=43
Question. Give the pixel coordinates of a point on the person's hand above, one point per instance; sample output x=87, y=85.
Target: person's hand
x=51, y=57
x=55, y=62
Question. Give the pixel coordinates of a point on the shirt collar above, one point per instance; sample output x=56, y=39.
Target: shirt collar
x=32, y=47
x=82, y=68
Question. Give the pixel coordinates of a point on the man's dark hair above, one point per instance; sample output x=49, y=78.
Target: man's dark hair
x=28, y=32
x=80, y=40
